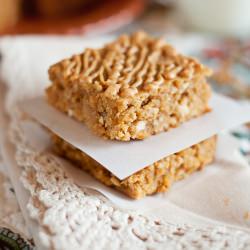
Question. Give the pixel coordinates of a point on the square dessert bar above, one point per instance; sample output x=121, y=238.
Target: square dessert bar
x=154, y=178
x=132, y=88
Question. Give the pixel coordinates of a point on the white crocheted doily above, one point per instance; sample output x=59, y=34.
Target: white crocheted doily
x=10, y=214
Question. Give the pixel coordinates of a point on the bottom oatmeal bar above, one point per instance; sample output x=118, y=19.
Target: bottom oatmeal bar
x=154, y=178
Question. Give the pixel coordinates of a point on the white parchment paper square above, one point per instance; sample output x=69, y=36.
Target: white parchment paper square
x=126, y=158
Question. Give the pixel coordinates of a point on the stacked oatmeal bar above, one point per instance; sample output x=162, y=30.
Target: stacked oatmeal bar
x=133, y=88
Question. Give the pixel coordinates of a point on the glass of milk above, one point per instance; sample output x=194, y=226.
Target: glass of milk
x=231, y=17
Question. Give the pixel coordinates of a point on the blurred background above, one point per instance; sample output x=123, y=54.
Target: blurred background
x=228, y=17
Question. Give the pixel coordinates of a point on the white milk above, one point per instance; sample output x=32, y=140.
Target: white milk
x=221, y=16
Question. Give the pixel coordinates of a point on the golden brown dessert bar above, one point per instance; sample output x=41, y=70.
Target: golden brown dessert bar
x=132, y=88
x=155, y=178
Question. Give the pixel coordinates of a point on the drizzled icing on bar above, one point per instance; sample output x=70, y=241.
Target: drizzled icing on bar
x=128, y=64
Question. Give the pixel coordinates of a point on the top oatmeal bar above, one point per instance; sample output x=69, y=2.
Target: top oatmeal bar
x=131, y=88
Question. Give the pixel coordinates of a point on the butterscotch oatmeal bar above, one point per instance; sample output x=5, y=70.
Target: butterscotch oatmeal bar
x=155, y=178
x=132, y=88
